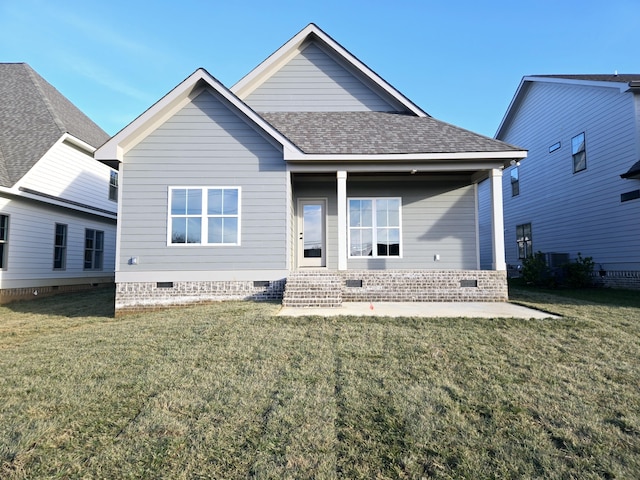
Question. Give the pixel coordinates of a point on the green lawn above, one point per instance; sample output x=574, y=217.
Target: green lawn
x=231, y=391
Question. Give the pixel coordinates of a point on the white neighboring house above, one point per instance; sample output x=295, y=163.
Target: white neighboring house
x=578, y=191
x=58, y=204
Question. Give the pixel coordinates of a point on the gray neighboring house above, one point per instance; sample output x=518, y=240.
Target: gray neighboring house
x=58, y=205
x=579, y=189
x=311, y=180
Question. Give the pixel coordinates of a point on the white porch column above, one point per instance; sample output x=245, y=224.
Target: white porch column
x=342, y=219
x=497, y=220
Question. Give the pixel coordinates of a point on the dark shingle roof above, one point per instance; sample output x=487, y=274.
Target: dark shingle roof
x=33, y=116
x=377, y=133
x=623, y=77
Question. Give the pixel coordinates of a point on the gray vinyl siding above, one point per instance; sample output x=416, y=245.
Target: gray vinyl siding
x=315, y=81
x=31, y=245
x=438, y=217
x=580, y=212
x=205, y=144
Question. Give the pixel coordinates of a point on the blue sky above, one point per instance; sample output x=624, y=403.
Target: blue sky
x=461, y=61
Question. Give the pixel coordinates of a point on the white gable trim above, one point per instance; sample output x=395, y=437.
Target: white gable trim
x=127, y=138
x=295, y=45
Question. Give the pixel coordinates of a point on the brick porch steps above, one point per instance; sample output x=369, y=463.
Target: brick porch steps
x=312, y=288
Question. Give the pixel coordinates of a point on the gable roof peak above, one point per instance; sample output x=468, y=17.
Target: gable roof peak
x=127, y=138
x=313, y=33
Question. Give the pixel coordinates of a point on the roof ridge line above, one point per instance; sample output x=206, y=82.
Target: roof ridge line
x=34, y=78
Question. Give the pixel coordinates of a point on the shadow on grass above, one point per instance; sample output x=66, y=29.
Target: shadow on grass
x=99, y=302
x=574, y=296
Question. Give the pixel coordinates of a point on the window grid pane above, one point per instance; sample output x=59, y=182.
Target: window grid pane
x=524, y=241
x=379, y=235
x=113, y=186
x=205, y=216
x=4, y=237
x=60, y=247
x=93, y=249
x=578, y=151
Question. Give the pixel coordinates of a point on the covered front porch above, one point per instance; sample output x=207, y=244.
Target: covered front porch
x=406, y=233
x=389, y=220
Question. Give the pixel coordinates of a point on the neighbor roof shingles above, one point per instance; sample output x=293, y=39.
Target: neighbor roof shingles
x=598, y=77
x=371, y=133
x=33, y=117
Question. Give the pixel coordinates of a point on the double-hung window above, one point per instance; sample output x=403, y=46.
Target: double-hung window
x=113, y=186
x=523, y=238
x=60, y=247
x=375, y=227
x=4, y=240
x=204, y=216
x=579, y=153
x=93, y=249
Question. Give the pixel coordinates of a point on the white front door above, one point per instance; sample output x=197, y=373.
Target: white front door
x=312, y=251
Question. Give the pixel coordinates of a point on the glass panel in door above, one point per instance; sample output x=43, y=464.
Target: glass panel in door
x=312, y=233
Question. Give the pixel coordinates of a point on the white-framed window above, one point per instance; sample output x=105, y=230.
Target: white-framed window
x=4, y=240
x=60, y=247
x=93, y=249
x=204, y=216
x=523, y=238
x=113, y=186
x=579, y=153
x=375, y=227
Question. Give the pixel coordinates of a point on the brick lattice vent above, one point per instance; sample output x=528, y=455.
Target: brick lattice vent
x=313, y=289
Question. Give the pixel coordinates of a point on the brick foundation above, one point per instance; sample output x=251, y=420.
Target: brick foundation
x=137, y=296
x=425, y=286
x=323, y=288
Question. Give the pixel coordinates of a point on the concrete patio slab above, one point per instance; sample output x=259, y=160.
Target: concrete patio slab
x=422, y=309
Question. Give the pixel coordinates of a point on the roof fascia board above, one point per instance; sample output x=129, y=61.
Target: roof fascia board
x=258, y=75
x=515, y=102
x=67, y=137
x=291, y=156
x=117, y=147
x=397, y=167
x=50, y=200
x=622, y=86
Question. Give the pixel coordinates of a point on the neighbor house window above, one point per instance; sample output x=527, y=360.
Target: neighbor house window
x=60, y=247
x=374, y=227
x=515, y=182
x=523, y=237
x=204, y=216
x=93, y=249
x=113, y=186
x=579, y=153
x=4, y=240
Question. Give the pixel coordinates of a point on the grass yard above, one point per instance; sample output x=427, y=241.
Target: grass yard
x=231, y=391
